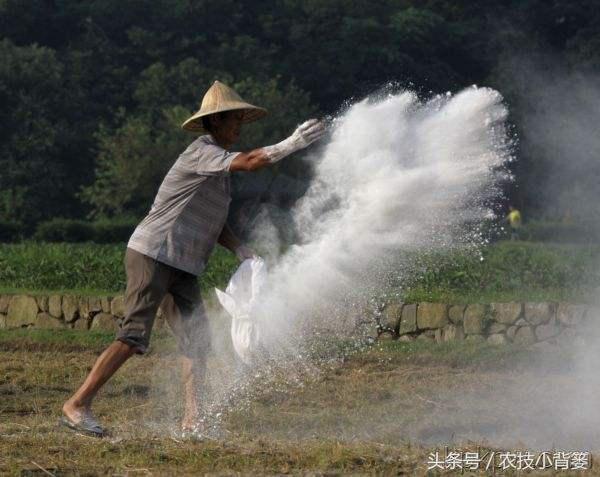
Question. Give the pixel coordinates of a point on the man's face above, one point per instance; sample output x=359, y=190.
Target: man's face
x=228, y=127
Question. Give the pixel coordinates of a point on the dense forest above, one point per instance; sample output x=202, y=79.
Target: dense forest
x=93, y=92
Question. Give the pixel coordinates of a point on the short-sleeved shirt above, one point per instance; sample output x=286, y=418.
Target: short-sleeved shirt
x=190, y=208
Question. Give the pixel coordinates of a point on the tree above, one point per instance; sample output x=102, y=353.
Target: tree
x=34, y=135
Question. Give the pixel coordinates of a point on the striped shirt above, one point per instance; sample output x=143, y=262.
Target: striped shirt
x=190, y=208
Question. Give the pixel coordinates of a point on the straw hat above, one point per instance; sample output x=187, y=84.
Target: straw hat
x=217, y=99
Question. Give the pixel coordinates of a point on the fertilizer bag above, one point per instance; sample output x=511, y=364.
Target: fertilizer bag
x=240, y=300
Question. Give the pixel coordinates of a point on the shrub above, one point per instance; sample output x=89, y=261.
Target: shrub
x=64, y=230
x=113, y=231
x=10, y=231
x=560, y=232
x=74, y=231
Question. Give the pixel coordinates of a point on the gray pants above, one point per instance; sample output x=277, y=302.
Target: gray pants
x=151, y=284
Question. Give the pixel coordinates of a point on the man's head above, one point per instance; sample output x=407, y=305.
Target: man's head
x=223, y=111
x=225, y=127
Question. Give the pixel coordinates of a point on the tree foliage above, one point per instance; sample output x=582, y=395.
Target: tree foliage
x=93, y=92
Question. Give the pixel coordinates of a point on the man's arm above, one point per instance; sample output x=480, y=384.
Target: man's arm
x=305, y=134
x=228, y=240
x=250, y=161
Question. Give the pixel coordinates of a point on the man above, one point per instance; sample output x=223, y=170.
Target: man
x=171, y=246
x=514, y=221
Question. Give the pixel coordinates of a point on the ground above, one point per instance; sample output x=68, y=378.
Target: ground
x=381, y=409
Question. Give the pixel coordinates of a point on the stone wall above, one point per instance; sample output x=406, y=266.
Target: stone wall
x=60, y=311
x=497, y=323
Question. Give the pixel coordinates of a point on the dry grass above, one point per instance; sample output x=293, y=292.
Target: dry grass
x=381, y=411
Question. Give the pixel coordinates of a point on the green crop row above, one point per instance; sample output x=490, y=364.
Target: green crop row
x=508, y=270
x=86, y=267
x=505, y=270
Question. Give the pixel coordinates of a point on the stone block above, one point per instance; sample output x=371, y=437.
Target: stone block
x=408, y=320
x=546, y=331
x=569, y=314
x=385, y=336
x=55, y=306
x=94, y=304
x=456, y=314
x=117, y=306
x=497, y=339
x=524, y=336
x=4, y=301
x=495, y=328
x=406, y=338
x=432, y=315
x=2, y=321
x=70, y=307
x=46, y=321
x=538, y=313
x=453, y=333
x=81, y=324
x=390, y=317
x=105, y=303
x=511, y=331
x=22, y=311
x=474, y=319
x=42, y=302
x=439, y=335
x=506, y=313
x=104, y=321
x=84, y=307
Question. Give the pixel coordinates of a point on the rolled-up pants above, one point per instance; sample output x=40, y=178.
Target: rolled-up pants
x=152, y=284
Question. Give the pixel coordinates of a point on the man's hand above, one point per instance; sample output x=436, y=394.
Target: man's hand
x=307, y=133
x=243, y=253
x=304, y=135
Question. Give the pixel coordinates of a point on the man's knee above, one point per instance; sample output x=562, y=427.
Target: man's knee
x=131, y=346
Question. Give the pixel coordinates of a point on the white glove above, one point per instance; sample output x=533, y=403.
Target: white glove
x=243, y=252
x=304, y=135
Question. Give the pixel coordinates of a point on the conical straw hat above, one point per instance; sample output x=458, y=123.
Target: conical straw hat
x=217, y=99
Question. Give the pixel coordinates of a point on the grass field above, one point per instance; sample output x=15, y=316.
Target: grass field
x=505, y=271
x=380, y=410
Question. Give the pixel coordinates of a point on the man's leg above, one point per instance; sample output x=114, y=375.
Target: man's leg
x=193, y=374
x=105, y=366
x=147, y=282
x=186, y=317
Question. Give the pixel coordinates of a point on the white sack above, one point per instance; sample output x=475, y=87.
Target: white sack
x=240, y=300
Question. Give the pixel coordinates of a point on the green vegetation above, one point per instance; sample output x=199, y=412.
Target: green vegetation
x=51, y=340
x=73, y=231
x=509, y=270
x=84, y=268
x=504, y=271
x=93, y=93
x=559, y=232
